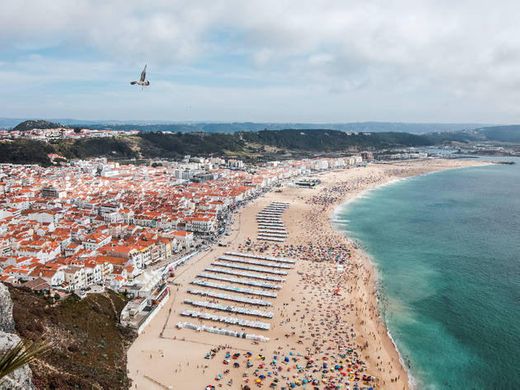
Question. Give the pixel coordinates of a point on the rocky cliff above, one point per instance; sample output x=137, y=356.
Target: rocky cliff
x=88, y=346
x=20, y=379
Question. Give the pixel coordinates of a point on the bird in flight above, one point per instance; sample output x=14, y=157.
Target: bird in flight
x=142, y=80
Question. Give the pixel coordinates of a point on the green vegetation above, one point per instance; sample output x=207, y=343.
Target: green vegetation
x=259, y=145
x=332, y=140
x=25, y=152
x=265, y=144
x=175, y=145
x=88, y=346
x=95, y=147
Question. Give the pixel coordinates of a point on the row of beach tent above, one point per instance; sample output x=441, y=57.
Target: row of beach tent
x=270, y=224
x=240, y=290
x=229, y=297
x=248, y=268
x=226, y=320
x=245, y=274
x=237, y=283
x=229, y=308
x=222, y=331
x=245, y=282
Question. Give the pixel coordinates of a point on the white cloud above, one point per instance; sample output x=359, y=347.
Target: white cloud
x=448, y=60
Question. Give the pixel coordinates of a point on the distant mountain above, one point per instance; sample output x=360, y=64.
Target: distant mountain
x=36, y=124
x=509, y=133
x=233, y=127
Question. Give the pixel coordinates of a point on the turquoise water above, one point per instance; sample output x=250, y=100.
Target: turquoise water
x=447, y=247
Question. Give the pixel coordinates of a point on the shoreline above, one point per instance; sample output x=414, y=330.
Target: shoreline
x=412, y=383
x=399, y=180
x=339, y=207
x=310, y=224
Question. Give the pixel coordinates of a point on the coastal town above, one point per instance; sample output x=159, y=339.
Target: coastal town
x=229, y=258
x=86, y=226
x=259, y=195
x=288, y=301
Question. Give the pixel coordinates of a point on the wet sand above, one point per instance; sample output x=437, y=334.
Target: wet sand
x=326, y=306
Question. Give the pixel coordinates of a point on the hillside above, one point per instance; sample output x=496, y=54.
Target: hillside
x=248, y=145
x=332, y=140
x=88, y=346
x=95, y=147
x=25, y=152
x=509, y=134
x=174, y=145
x=36, y=124
x=284, y=141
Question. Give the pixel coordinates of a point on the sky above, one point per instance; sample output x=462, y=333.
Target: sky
x=264, y=61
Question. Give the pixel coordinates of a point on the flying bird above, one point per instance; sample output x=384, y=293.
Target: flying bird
x=142, y=80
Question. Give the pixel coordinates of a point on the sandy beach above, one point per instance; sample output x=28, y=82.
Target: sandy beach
x=326, y=325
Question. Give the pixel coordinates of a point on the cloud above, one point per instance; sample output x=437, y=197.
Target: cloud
x=422, y=54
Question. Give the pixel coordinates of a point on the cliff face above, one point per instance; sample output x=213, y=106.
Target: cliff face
x=20, y=379
x=6, y=310
x=88, y=347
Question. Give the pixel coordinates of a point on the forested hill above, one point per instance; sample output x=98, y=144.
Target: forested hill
x=36, y=124
x=246, y=145
x=509, y=134
x=322, y=140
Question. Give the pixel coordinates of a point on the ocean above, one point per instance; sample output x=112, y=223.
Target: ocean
x=447, y=249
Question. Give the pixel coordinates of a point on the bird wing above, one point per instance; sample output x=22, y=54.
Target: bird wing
x=143, y=74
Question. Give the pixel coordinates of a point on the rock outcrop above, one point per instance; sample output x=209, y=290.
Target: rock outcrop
x=20, y=379
x=6, y=310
